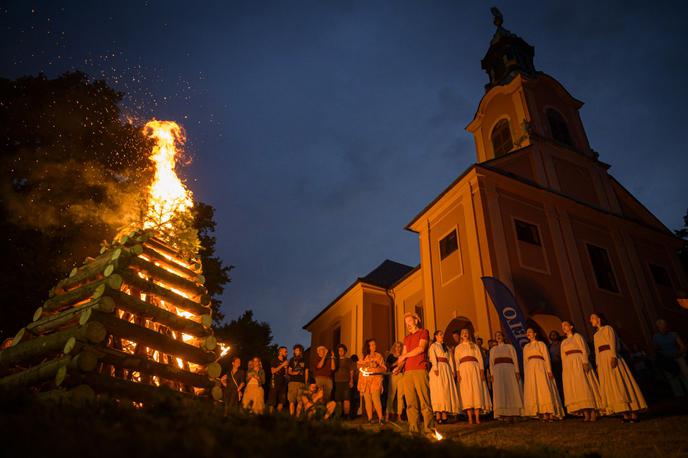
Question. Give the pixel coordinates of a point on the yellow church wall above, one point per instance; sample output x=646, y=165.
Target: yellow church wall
x=408, y=296
x=377, y=319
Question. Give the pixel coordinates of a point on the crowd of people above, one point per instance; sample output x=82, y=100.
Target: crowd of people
x=430, y=381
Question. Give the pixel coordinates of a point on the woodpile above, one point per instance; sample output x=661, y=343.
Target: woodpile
x=132, y=323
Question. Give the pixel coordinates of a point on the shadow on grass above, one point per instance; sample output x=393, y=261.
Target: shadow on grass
x=106, y=429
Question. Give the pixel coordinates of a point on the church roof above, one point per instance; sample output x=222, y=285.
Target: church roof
x=384, y=276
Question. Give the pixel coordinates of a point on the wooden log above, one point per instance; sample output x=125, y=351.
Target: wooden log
x=144, y=365
x=119, y=388
x=154, y=313
x=92, y=268
x=86, y=361
x=179, y=301
x=216, y=392
x=213, y=370
x=79, y=394
x=170, y=278
x=104, y=304
x=39, y=373
x=63, y=341
x=153, y=339
x=93, y=290
x=166, y=263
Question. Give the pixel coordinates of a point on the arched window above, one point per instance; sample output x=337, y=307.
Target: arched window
x=558, y=127
x=501, y=138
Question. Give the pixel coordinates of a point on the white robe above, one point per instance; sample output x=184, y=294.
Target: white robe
x=540, y=395
x=618, y=389
x=581, y=389
x=507, y=392
x=444, y=395
x=473, y=392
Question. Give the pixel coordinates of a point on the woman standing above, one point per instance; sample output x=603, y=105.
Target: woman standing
x=474, y=396
x=395, y=403
x=443, y=393
x=370, y=381
x=540, y=395
x=254, y=396
x=581, y=389
x=234, y=382
x=618, y=389
x=506, y=380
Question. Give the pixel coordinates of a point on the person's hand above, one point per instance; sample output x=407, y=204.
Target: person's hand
x=550, y=375
x=395, y=371
x=586, y=367
x=615, y=362
x=400, y=360
x=437, y=372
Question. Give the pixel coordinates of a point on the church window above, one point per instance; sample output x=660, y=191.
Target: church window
x=602, y=267
x=527, y=232
x=419, y=311
x=660, y=275
x=501, y=138
x=559, y=127
x=449, y=244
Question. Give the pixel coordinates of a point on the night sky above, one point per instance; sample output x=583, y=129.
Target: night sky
x=319, y=129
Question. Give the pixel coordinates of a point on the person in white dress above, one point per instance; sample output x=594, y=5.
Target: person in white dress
x=581, y=388
x=540, y=395
x=507, y=393
x=444, y=396
x=618, y=389
x=473, y=393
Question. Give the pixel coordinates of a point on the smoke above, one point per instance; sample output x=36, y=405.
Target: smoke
x=51, y=196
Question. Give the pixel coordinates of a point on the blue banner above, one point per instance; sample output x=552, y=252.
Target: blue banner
x=509, y=313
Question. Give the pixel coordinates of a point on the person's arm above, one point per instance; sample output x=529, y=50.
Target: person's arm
x=381, y=362
x=333, y=366
x=400, y=361
x=290, y=371
x=261, y=377
x=321, y=363
x=275, y=369
x=351, y=375
x=481, y=362
x=432, y=354
x=586, y=351
x=545, y=354
x=514, y=358
x=491, y=363
x=611, y=341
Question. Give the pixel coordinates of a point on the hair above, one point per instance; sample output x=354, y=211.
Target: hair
x=573, y=326
x=299, y=346
x=456, y=331
x=530, y=328
x=366, y=347
x=280, y=348
x=602, y=316
x=354, y=357
x=342, y=346
x=434, y=338
x=234, y=358
x=399, y=345
x=471, y=336
x=556, y=333
x=415, y=317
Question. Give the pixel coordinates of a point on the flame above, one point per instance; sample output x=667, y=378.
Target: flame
x=438, y=436
x=167, y=195
x=365, y=372
x=224, y=349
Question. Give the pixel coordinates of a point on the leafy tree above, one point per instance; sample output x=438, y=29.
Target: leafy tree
x=216, y=274
x=248, y=337
x=73, y=171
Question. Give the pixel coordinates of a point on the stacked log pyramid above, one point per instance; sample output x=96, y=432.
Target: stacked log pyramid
x=132, y=323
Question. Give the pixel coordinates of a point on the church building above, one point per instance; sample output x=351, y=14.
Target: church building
x=539, y=211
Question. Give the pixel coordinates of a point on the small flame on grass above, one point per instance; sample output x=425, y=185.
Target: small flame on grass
x=438, y=436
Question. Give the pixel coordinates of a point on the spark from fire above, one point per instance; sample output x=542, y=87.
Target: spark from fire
x=167, y=195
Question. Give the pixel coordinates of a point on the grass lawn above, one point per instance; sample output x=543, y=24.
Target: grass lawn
x=106, y=429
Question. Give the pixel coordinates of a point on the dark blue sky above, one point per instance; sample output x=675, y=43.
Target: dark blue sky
x=319, y=129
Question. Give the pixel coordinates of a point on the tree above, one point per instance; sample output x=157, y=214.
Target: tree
x=683, y=233
x=248, y=337
x=216, y=274
x=73, y=170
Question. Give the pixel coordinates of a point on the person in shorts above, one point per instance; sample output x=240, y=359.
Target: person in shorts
x=298, y=375
x=277, y=396
x=314, y=404
x=343, y=380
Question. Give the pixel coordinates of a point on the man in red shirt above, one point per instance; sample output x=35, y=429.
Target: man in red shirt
x=414, y=383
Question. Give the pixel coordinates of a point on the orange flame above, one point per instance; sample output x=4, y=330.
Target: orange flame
x=438, y=436
x=167, y=195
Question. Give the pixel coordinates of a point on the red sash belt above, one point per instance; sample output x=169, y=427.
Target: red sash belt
x=604, y=348
x=503, y=360
x=468, y=359
x=442, y=359
x=571, y=352
x=536, y=357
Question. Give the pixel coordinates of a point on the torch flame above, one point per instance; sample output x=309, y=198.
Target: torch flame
x=438, y=436
x=167, y=195
x=224, y=349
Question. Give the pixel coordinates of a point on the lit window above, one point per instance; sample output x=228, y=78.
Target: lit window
x=602, y=267
x=449, y=244
x=501, y=138
x=527, y=232
x=558, y=127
